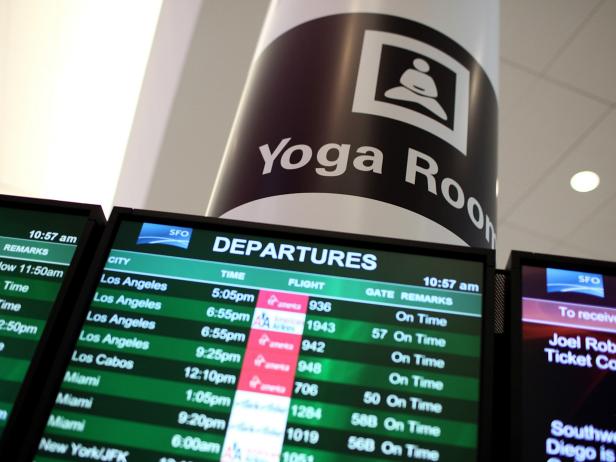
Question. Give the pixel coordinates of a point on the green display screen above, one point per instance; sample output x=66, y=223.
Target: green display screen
x=36, y=249
x=209, y=345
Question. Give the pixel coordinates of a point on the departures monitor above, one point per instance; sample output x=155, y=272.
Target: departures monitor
x=212, y=340
x=38, y=244
x=564, y=359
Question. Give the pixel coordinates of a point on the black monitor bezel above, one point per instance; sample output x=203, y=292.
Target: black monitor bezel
x=18, y=428
x=119, y=215
x=517, y=261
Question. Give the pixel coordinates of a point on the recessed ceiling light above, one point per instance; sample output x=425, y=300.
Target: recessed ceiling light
x=584, y=181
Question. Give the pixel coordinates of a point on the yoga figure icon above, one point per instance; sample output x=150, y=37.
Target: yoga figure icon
x=418, y=87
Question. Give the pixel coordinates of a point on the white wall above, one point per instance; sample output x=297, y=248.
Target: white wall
x=205, y=104
x=70, y=77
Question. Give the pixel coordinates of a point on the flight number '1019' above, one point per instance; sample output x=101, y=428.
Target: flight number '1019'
x=302, y=435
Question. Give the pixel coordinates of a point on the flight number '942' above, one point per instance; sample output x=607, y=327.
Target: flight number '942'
x=315, y=346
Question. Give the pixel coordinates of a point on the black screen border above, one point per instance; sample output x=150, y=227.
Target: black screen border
x=513, y=328
x=21, y=427
x=119, y=215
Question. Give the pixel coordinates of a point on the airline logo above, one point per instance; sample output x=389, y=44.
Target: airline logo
x=410, y=81
x=175, y=236
x=565, y=281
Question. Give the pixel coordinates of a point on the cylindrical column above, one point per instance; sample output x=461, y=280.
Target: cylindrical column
x=369, y=116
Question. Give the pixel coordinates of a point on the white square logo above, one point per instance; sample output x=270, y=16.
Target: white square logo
x=410, y=81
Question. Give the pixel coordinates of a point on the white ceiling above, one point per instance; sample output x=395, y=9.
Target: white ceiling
x=557, y=116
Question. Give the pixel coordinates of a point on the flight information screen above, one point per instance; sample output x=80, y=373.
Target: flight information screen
x=36, y=249
x=209, y=344
x=568, y=365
